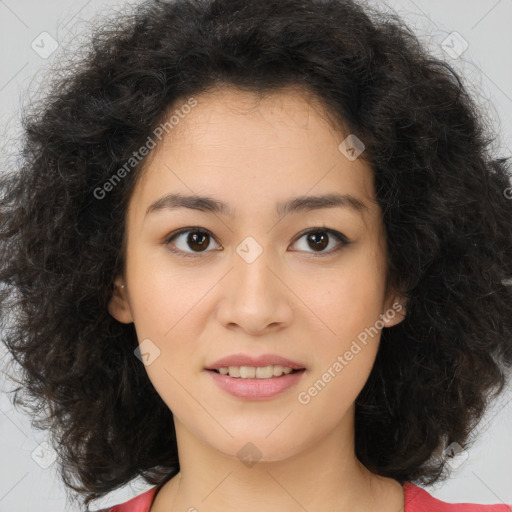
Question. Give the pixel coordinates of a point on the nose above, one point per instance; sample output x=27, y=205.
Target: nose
x=255, y=297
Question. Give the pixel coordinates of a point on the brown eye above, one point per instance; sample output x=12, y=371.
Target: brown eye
x=190, y=241
x=319, y=238
x=197, y=240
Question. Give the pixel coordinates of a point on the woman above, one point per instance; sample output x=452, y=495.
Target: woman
x=261, y=257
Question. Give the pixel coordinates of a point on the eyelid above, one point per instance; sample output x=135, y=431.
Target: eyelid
x=192, y=229
x=334, y=233
x=340, y=237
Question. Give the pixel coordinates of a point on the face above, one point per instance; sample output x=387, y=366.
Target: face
x=305, y=283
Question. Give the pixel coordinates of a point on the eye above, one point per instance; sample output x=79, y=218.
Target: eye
x=197, y=239
x=320, y=238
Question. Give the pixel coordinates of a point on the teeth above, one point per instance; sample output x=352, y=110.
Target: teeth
x=251, y=372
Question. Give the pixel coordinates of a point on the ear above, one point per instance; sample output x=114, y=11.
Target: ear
x=395, y=309
x=118, y=305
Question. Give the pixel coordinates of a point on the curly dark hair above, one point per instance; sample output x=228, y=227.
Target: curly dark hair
x=447, y=217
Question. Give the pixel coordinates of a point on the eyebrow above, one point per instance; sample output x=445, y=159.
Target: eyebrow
x=297, y=204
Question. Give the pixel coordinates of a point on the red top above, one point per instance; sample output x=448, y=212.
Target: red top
x=416, y=500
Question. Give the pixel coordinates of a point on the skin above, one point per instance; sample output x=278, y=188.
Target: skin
x=290, y=301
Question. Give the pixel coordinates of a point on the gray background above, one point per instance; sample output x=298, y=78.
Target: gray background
x=485, y=475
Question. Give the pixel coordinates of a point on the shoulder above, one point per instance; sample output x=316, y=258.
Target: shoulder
x=141, y=503
x=416, y=500
x=419, y=500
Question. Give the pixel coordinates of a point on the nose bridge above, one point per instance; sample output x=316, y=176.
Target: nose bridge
x=256, y=298
x=251, y=268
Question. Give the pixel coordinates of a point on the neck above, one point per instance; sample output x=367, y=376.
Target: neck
x=325, y=476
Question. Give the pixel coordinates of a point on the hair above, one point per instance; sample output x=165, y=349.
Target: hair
x=447, y=218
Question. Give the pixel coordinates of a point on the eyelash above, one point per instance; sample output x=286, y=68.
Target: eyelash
x=340, y=237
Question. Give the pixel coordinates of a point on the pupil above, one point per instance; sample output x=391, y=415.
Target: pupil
x=315, y=238
x=192, y=240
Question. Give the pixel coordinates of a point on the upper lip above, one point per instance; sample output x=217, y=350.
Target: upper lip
x=247, y=360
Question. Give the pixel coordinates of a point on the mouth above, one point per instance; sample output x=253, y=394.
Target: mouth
x=274, y=376
x=265, y=365
x=243, y=383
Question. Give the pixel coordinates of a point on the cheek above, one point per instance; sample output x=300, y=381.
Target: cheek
x=166, y=307
x=347, y=346
x=167, y=311
x=172, y=317
x=162, y=295
x=351, y=301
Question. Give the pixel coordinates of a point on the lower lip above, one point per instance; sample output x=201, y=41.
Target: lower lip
x=256, y=388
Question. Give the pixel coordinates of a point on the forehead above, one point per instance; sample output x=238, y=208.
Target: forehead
x=239, y=146
x=252, y=117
